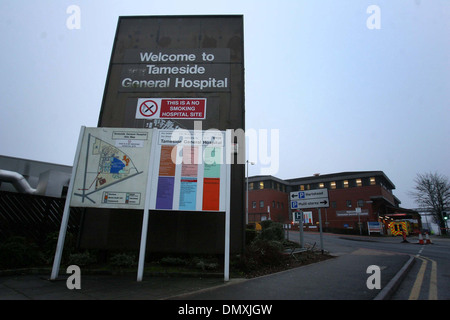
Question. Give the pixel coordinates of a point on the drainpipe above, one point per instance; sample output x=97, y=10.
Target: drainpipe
x=17, y=180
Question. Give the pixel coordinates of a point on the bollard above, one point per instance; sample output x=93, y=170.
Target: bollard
x=420, y=238
x=427, y=238
x=404, y=236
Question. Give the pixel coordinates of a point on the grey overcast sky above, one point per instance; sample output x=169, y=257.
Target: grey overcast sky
x=340, y=95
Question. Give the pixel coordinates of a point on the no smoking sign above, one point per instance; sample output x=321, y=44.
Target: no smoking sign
x=171, y=108
x=148, y=108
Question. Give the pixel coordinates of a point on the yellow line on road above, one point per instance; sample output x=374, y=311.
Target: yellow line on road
x=433, y=281
x=432, y=293
x=415, y=291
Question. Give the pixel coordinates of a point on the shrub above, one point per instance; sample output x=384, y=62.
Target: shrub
x=123, y=260
x=173, y=261
x=16, y=252
x=82, y=259
x=271, y=231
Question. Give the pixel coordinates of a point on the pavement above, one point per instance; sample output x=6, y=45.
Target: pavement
x=340, y=278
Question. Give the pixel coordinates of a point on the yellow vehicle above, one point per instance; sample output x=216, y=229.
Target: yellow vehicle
x=397, y=227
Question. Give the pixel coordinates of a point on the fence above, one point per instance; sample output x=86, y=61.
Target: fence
x=34, y=217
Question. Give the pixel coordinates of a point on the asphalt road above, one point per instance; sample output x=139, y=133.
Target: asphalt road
x=341, y=278
x=429, y=277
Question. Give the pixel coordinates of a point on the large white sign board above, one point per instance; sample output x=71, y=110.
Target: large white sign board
x=112, y=168
x=149, y=169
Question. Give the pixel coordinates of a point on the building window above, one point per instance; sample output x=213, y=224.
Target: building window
x=250, y=186
x=358, y=183
x=261, y=185
x=372, y=181
x=349, y=203
x=360, y=203
x=333, y=184
x=302, y=187
x=321, y=185
x=273, y=204
x=253, y=204
x=333, y=204
x=261, y=203
x=345, y=183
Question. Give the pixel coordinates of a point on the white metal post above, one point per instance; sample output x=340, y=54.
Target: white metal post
x=226, y=272
x=66, y=213
x=143, y=245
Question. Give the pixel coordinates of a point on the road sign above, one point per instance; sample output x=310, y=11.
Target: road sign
x=317, y=198
x=309, y=194
x=313, y=203
x=297, y=215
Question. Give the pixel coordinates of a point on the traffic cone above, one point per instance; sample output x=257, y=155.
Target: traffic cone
x=427, y=238
x=420, y=238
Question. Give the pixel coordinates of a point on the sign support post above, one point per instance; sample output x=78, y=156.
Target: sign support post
x=300, y=226
x=143, y=245
x=66, y=213
x=227, y=224
x=320, y=228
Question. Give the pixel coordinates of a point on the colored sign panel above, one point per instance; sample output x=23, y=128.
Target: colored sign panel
x=112, y=169
x=171, y=108
x=191, y=173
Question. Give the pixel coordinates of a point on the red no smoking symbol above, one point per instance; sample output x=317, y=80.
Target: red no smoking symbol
x=148, y=108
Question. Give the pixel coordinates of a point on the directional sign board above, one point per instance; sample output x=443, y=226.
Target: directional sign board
x=309, y=194
x=317, y=198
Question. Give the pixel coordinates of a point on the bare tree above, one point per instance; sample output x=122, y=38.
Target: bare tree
x=432, y=191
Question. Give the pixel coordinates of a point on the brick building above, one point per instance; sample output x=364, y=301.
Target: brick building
x=268, y=198
x=356, y=198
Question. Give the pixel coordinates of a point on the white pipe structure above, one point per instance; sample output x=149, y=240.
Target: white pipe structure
x=18, y=181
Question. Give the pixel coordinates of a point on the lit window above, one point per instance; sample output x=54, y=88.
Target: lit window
x=358, y=183
x=302, y=187
x=333, y=185
x=372, y=181
x=345, y=183
x=250, y=186
x=321, y=185
x=261, y=185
